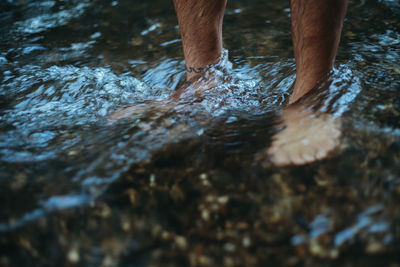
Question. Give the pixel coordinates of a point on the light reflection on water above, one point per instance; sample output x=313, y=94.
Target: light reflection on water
x=57, y=94
x=371, y=221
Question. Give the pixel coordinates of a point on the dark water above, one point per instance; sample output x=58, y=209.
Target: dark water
x=190, y=183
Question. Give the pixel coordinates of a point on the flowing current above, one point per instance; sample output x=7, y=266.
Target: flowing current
x=67, y=67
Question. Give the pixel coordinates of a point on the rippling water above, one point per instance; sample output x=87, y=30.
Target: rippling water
x=188, y=182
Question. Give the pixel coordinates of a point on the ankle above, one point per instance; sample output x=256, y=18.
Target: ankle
x=197, y=66
x=302, y=87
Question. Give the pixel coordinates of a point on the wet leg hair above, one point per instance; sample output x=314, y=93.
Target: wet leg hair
x=316, y=30
x=200, y=23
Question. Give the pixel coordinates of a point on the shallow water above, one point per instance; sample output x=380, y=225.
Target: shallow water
x=189, y=183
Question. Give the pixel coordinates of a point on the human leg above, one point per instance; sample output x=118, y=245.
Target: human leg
x=200, y=23
x=310, y=135
x=316, y=29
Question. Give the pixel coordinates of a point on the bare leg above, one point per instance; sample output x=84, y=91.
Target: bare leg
x=307, y=135
x=200, y=23
x=316, y=29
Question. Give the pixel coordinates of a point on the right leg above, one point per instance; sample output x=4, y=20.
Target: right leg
x=316, y=29
x=200, y=23
x=308, y=135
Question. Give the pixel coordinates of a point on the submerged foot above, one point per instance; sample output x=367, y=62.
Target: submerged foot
x=307, y=136
x=198, y=86
x=156, y=107
x=190, y=92
x=183, y=96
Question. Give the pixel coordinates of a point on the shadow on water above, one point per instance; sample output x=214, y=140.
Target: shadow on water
x=98, y=166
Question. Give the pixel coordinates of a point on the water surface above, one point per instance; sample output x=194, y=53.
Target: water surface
x=190, y=184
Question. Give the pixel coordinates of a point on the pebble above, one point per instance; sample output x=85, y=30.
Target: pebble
x=156, y=231
x=137, y=41
x=133, y=196
x=210, y=198
x=181, y=242
x=223, y=200
x=203, y=176
x=203, y=260
x=229, y=247
x=205, y=215
x=177, y=193
x=246, y=242
x=374, y=247
x=165, y=235
x=205, y=183
x=104, y=211
x=242, y=225
x=315, y=248
x=108, y=261
x=229, y=261
x=125, y=225
x=19, y=181
x=152, y=180
x=73, y=256
x=73, y=153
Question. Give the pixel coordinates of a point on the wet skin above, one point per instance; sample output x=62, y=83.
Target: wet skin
x=209, y=193
x=316, y=30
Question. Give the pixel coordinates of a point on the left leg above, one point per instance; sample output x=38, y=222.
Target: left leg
x=200, y=23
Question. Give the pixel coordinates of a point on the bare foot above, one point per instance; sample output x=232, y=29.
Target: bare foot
x=190, y=92
x=210, y=79
x=307, y=136
x=156, y=107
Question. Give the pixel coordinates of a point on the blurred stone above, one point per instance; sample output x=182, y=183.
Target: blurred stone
x=316, y=249
x=73, y=256
x=133, y=196
x=205, y=215
x=242, y=226
x=152, y=180
x=229, y=247
x=108, y=261
x=228, y=261
x=375, y=247
x=181, y=242
x=4, y=261
x=176, y=193
x=223, y=200
x=103, y=211
x=165, y=235
x=334, y=253
x=137, y=41
x=228, y=225
x=210, y=198
x=246, y=242
x=73, y=153
x=156, y=231
x=18, y=181
x=203, y=176
x=203, y=260
x=125, y=224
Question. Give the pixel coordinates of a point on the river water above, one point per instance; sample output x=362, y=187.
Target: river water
x=190, y=182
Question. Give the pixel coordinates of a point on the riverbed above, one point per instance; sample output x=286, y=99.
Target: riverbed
x=190, y=183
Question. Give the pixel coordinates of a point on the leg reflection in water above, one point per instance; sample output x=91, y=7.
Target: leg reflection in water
x=306, y=136
x=316, y=30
